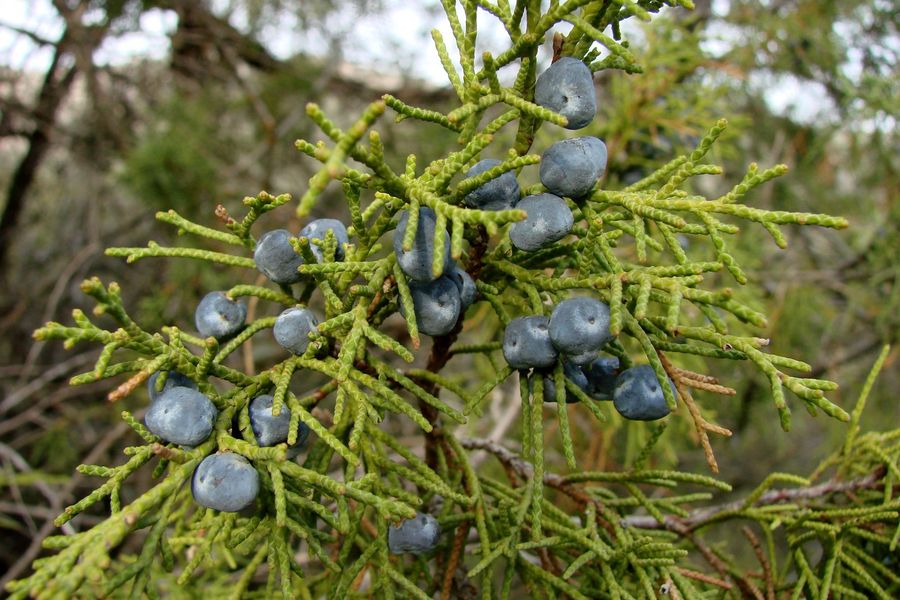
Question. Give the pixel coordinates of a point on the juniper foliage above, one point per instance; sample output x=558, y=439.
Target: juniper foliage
x=320, y=525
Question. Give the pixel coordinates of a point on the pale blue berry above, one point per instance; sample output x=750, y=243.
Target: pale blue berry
x=548, y=220
x=572, y=167
x=526, y=343
x=226, y=482
x=292, y=329
x=269, y=429
x=181, y=415
x=416, y=263
x=275, y=257
x=219, y=317
x=414, y=536
x=567, y=88
x=316, y=230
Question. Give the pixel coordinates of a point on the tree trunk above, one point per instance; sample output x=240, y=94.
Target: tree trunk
x=199, y=40
x=77, y=41
x=57, y=82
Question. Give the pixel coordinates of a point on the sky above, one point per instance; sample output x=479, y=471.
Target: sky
x=375, y=39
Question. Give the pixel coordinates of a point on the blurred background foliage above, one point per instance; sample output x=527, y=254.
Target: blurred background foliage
x=89, y=151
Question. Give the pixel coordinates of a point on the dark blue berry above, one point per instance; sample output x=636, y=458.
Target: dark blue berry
x=466, y=286
x=638, y=395
x=601, y=376
x=572, y=372
x=500, y=193
x=579, y=327
x=437, y=305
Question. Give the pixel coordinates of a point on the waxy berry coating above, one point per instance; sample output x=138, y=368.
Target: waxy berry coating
x=292, y=329
x=316, y=230
x=500, y=193
x=217, y=316
x=548, y=220
x=601, y=376
x=275, y=257
x=181, y=415
x=437, y=305
x=567, y=87
x=572, y=167
x=225, y=482
x=638, y=395
x=173, y=379
x=526, y=343
x=269, y=429
x=415, y=536
x=579, y=327
x=416, y=263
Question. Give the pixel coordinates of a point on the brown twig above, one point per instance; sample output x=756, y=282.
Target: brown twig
x=369, y=527
x=701, y=425
x=558, y=40
x=320, y=394
x=714, y=388
x=697, y=576
x=40, y=383
x=167, y=453
x=683, y=526
x=459, y=539
x=128, y=386
x=688, y=374
x=763, y=561
x=56, y=295
x=748, y=590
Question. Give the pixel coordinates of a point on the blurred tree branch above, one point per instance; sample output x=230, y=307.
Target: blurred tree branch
x=76, y=39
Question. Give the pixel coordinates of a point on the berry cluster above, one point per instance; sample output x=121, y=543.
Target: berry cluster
x=575, y=333
x=181, y=414
x=521, y=252
x=578, y=328
x=440, y=301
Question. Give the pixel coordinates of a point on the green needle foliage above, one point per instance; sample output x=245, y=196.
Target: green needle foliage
x=319, y=528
